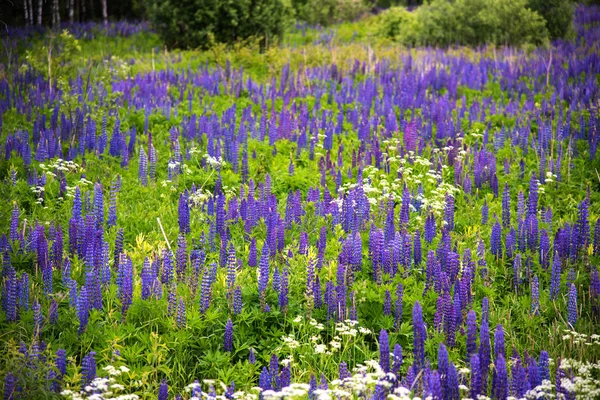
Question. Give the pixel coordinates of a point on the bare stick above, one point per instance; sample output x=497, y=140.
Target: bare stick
x=24, y=226
x=163, y=232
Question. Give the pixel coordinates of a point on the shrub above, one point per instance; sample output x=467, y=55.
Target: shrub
x=198, y=23
x=399, y=25
x=327, y=12
x=558, y=15
x=464, y=22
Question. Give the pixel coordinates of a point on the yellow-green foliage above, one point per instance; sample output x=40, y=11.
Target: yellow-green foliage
x=464, y=22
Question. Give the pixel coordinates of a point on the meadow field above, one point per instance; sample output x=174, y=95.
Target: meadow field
x=334, y=217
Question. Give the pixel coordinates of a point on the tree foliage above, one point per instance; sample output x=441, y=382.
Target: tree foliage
x=464, y=22
x=198, y=23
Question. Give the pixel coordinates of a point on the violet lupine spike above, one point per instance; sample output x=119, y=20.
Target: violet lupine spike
x=184, y=213
x=430, y=227
x=484, y=354
x=14, y=234
x=228, y=336
x=506, y=206
x=484, y=213
x=384, y=351
x=237, y=301
x=471, y=333
x=387, y=303
x=572, y=306
x=496, y=240
x=264, y=272
x=163, y=390
x=500, y=390
x=181, y=315
x=419, y=335
x=535, y=296
x=555, y=277
x=143, y=168
x=88, y=369
x=399, y=308
x=283, y=293
x=449, y=212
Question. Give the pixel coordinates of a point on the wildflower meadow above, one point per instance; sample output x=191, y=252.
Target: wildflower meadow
x=337, y=216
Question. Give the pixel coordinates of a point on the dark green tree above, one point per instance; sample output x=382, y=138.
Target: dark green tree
x=198, y=23
x=558, y=15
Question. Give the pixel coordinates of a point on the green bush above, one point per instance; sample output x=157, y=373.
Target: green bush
x=199, y=23
x=464, y=22
x=327, y=12
x=558, y=15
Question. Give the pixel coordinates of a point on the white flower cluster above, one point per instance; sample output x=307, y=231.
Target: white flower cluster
x=214, y=162
x=581, y=338
x=60, y=165
x=102, y=388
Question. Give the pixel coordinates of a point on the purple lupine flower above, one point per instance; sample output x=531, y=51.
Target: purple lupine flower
x=544, y=366
x=499, y=341
x=10, y=386
x=387, y=303
x=544, y=249
x=452, y=384
x=520, y=204
x=485, y=309
x=520, y=383
x=443, y=368
x=417, y=254
x=449, y=212
x=231, y=273
x=88, y=369
x=430, y=228
x=61, y=362
x=535, y=296
x=11, y=293
x=343, y=371
x=419, y=335
x=228, y=337
x=181, y=257
x=143, y=168
x=398, y=359
x=500, y=390
x=184, y=213
x=14, y=234
x=274, y=372
x=471, y=333
x=496, y=240
x=98, y=210
x=251, y=356
x=283, y=293
x=237, y=300
x=506, y=206
x=53, y=312
x=533, y=373
x=38, y=318
x=181, y=317
x=434, y=387
x=264, y=380
x=163, y=390
x=597, y=238
x=252, y=253
x=118, y=246
x=484, y=353
x=532, y=200
x=398, y=310
x=572, y=305
x=125, y=280
x=475, y=375
x=555, y=278
x=264, y=272
x=384, y=351
x=484, y=213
